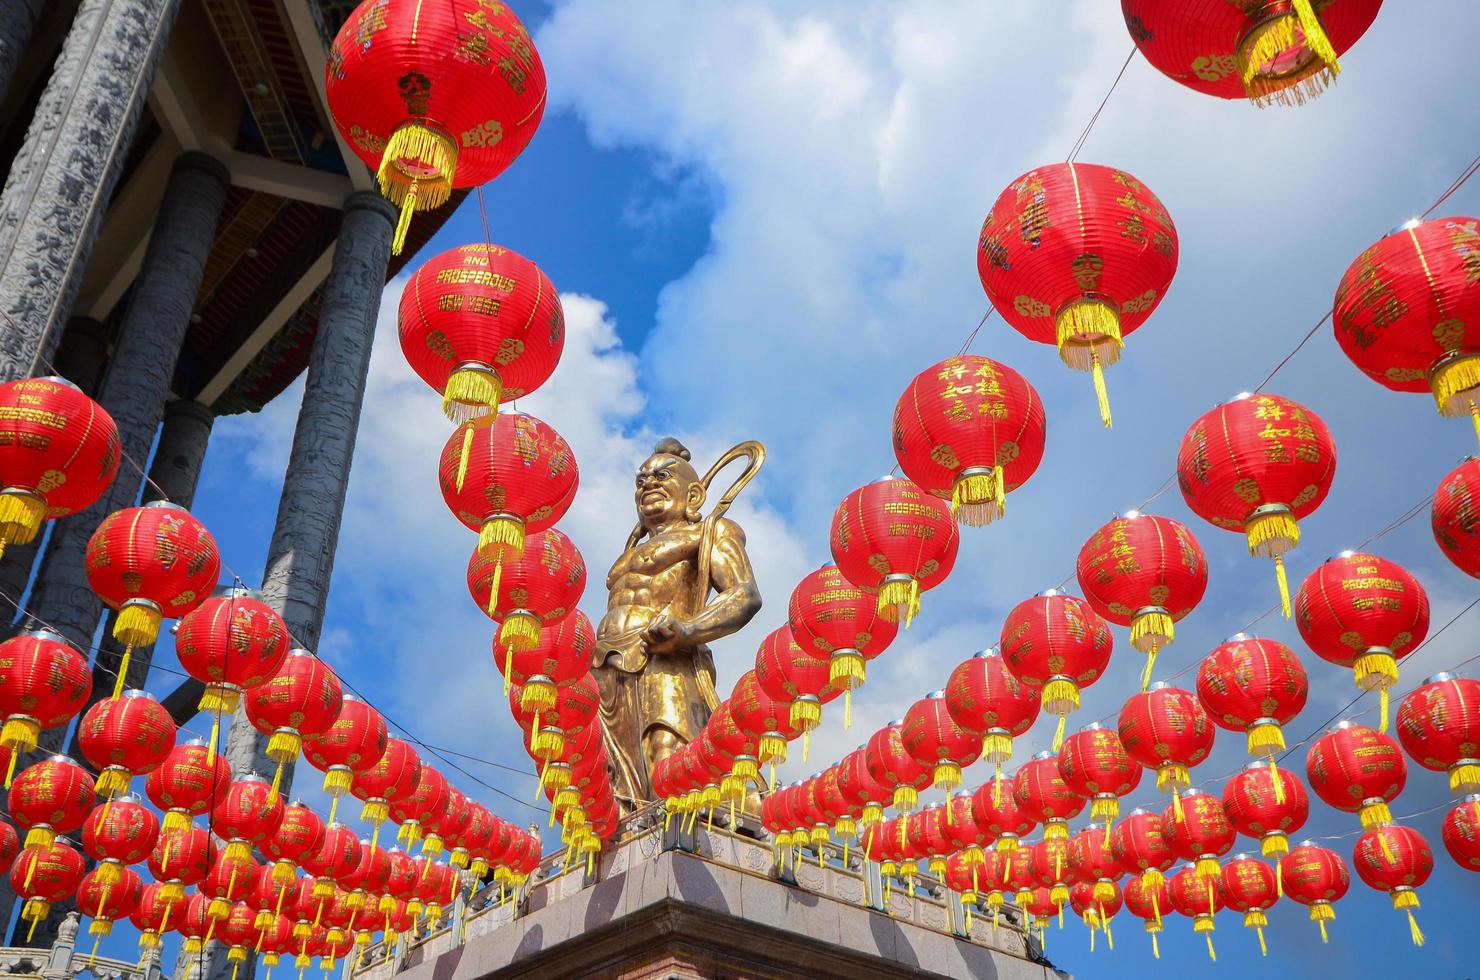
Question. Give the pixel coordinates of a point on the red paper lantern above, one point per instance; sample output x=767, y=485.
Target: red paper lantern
x=961, y=829
x=1199, y=898
x=429, y=797
x=506, y=476
x=58, y=452
x=894, y=539
x=1258, y=464
x=863, y=793
x=481, y=324
x=890, y=765
x=790, y=675
x=833, y=620
x=1077, y=255
x=1041, y=907
x=1266, y=803
x=1315, y=877
x=1406, y=312
x=1201, y=833
x=933, y=739
x=1439, y=726
x=559, y=657
x=1254, y=686
x=106, y=900
x=539, y=587
x=237, y=935
x=446, y=824
x=1139, y=844
x=1462, y=833
x=1145, y=901
x=1454, y=517
x=1363, y=612
x=188, y=783
x=1051, y=869
x=393, y=778
x=763, y=718
x=1356, y=769
x=230, y=642
x=10, y=846
x=336, y=859
x=1092, y=863
x=1040, y=792
x=147, y=563
x=1145, y=572
x=1056, y=644
x=150, y=916
x=181, y=859
x=44, y=682
x=246, y=815
x=1282, y=52
x=352, y=745
x=1166, y=729
x=43, y=874
x=1251, y=889
x=302, y=699
x=576, y=707
x=1096, y=907
x=194, y=924
x=969, y=430
x=999, y=817
x=117, y=833
x=125, y=737
x=987, y=701
x=231, y=877
x=434, y=98
x=298, y=840
x=50, y=797
x=1095, y=766
x=1392, y=859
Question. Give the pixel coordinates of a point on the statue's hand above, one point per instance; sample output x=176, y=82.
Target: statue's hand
x=666, y=634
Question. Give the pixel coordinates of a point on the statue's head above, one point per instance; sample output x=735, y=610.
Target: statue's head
x=668, y=488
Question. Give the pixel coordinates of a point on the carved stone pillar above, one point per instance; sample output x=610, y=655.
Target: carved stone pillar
x=65, y=172
x=300, y=558
x=17, y=22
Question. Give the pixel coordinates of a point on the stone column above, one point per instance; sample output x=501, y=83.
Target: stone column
x=67, y=167
x=17, y=22
x=134, y=391
x=300, y=557
x=80, y=359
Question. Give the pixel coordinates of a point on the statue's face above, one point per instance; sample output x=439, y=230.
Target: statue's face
x=668, y=491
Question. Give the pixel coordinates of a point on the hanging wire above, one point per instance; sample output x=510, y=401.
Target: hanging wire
x=1089, y=126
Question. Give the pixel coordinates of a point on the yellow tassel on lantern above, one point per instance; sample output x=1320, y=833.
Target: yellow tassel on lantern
x=1276, y=64
x=979, y=495
x=1375, y=814
x=1271, y=531
x=502, y=534
x=899, y=599
x=473, y=390
x=1089, y=339
x=846, y=669
x=1377, y=670
x=415, y=173
x=21, y=514
x=520, y=630
x=1406, y=900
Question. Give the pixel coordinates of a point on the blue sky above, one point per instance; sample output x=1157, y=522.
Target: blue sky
x=763, y=216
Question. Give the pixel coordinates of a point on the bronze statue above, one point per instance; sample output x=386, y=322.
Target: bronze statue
x=683, y=581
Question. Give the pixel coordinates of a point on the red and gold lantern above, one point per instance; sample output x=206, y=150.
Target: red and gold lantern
x=765, y=719
x=932, y=738
x=1199, y=898
x=230, y=642
x=44, y=683
x=506, y=476
x=481, y=324
x=1140, y=846
x=1051, y=870
x=1461, y=833
x=106, y=900
x=150, y=562
x=560, y=657
x=1077, y=255
x=446, y=824
x=1041, y=794
x=188, y=783
x=434, y=97
x=1455, y=517
x=834, y=620
x=246, y=815
x=893, y=539
x=352, y=745
x=150, y=916
x=43, y=874
x=1166, y=729
x=1092, y=863
x=1096, y=906
x=1407, y=312
x=1356, y=769
x=1095, y=766
x=890, y=765
x=125, y=737
x=1056, y=644
x=1439, y=728
x=298, y=840
x=59, y=452
x=1392, y=859
x=119, y=833
x=790, y=675
x=1363, y=612
x=1200, y=834
x=430, y=796
x=1281, y=51
x=998, y=816
x=302, y=699
x=392, y=779
x=231, y=878
x=1145, y=572
x=1258, y=465
x=181, y=859
x=10, y=846
x=969, y=430
x=1316, y=877
x=1145, y=901
x=1257, y=809
x=539, y=587
x=987, y=701
x=1250, y=887
x=1254, y=686
x=50, y=797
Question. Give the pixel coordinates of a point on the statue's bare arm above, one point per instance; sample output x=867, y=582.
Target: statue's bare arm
x=735, y=604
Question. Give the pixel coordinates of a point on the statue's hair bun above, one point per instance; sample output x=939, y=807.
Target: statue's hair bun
x=672, y=447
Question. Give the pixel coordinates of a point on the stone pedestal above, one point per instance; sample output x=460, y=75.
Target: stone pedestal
x=65, y=172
